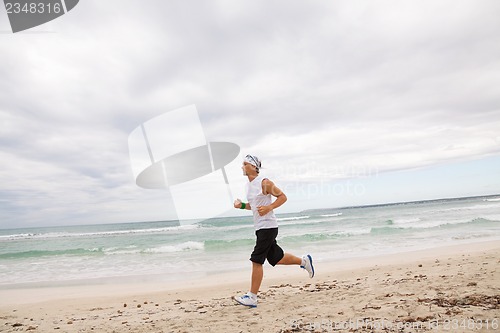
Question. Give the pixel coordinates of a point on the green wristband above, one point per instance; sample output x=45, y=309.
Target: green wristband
x=243, y=205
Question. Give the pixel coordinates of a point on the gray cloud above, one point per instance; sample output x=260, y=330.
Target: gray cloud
x=393, y=85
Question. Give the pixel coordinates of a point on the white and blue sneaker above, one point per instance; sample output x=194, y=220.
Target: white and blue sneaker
x=246, y=300
x=307, y=264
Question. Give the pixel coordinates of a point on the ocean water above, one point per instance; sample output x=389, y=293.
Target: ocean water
x=167, y=251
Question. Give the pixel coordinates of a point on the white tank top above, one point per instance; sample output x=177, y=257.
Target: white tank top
x=256, y=198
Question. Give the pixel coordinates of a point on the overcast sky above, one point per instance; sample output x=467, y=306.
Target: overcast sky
x=346, y=102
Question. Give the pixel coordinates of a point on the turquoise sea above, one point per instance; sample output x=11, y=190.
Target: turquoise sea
x=166, y=251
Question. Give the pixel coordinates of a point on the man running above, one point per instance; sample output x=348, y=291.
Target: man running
x=260, y=191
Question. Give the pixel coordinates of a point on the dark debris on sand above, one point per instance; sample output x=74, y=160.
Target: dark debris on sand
x=485, y=301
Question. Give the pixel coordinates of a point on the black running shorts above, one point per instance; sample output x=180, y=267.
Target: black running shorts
x=266, y=247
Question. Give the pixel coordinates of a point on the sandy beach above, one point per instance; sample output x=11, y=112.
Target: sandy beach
x=449, y=289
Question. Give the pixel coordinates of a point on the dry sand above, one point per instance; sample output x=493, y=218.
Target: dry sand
x=450, y=289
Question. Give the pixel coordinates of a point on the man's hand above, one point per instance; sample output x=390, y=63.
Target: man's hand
x=237, y=203
x=263, y=210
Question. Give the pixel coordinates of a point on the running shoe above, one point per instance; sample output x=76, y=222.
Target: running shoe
x=246, y=300
x=307, y=264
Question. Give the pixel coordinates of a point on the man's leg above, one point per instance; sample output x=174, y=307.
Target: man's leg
x=250, y=298
x=305, y=262
x=290, y=259
x=257, y=275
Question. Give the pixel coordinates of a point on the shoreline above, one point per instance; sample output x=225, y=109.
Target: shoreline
x=33, y=293
x=109, y=286
x=163, y=279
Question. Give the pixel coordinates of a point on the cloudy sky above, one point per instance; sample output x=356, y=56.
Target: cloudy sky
x=346, y=102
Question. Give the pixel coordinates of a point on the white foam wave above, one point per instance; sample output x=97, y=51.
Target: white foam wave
x=412, y=220
x=186, y=246
x=354, y=232
x=471, y=208
x=98, y=233
x=16, y=236
x=471, y=236
x=492, y=200
x=439, y=223
x=310, y=221
x=232, y=227
x=132, y=249
x=293, y=218
x=331, y=215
